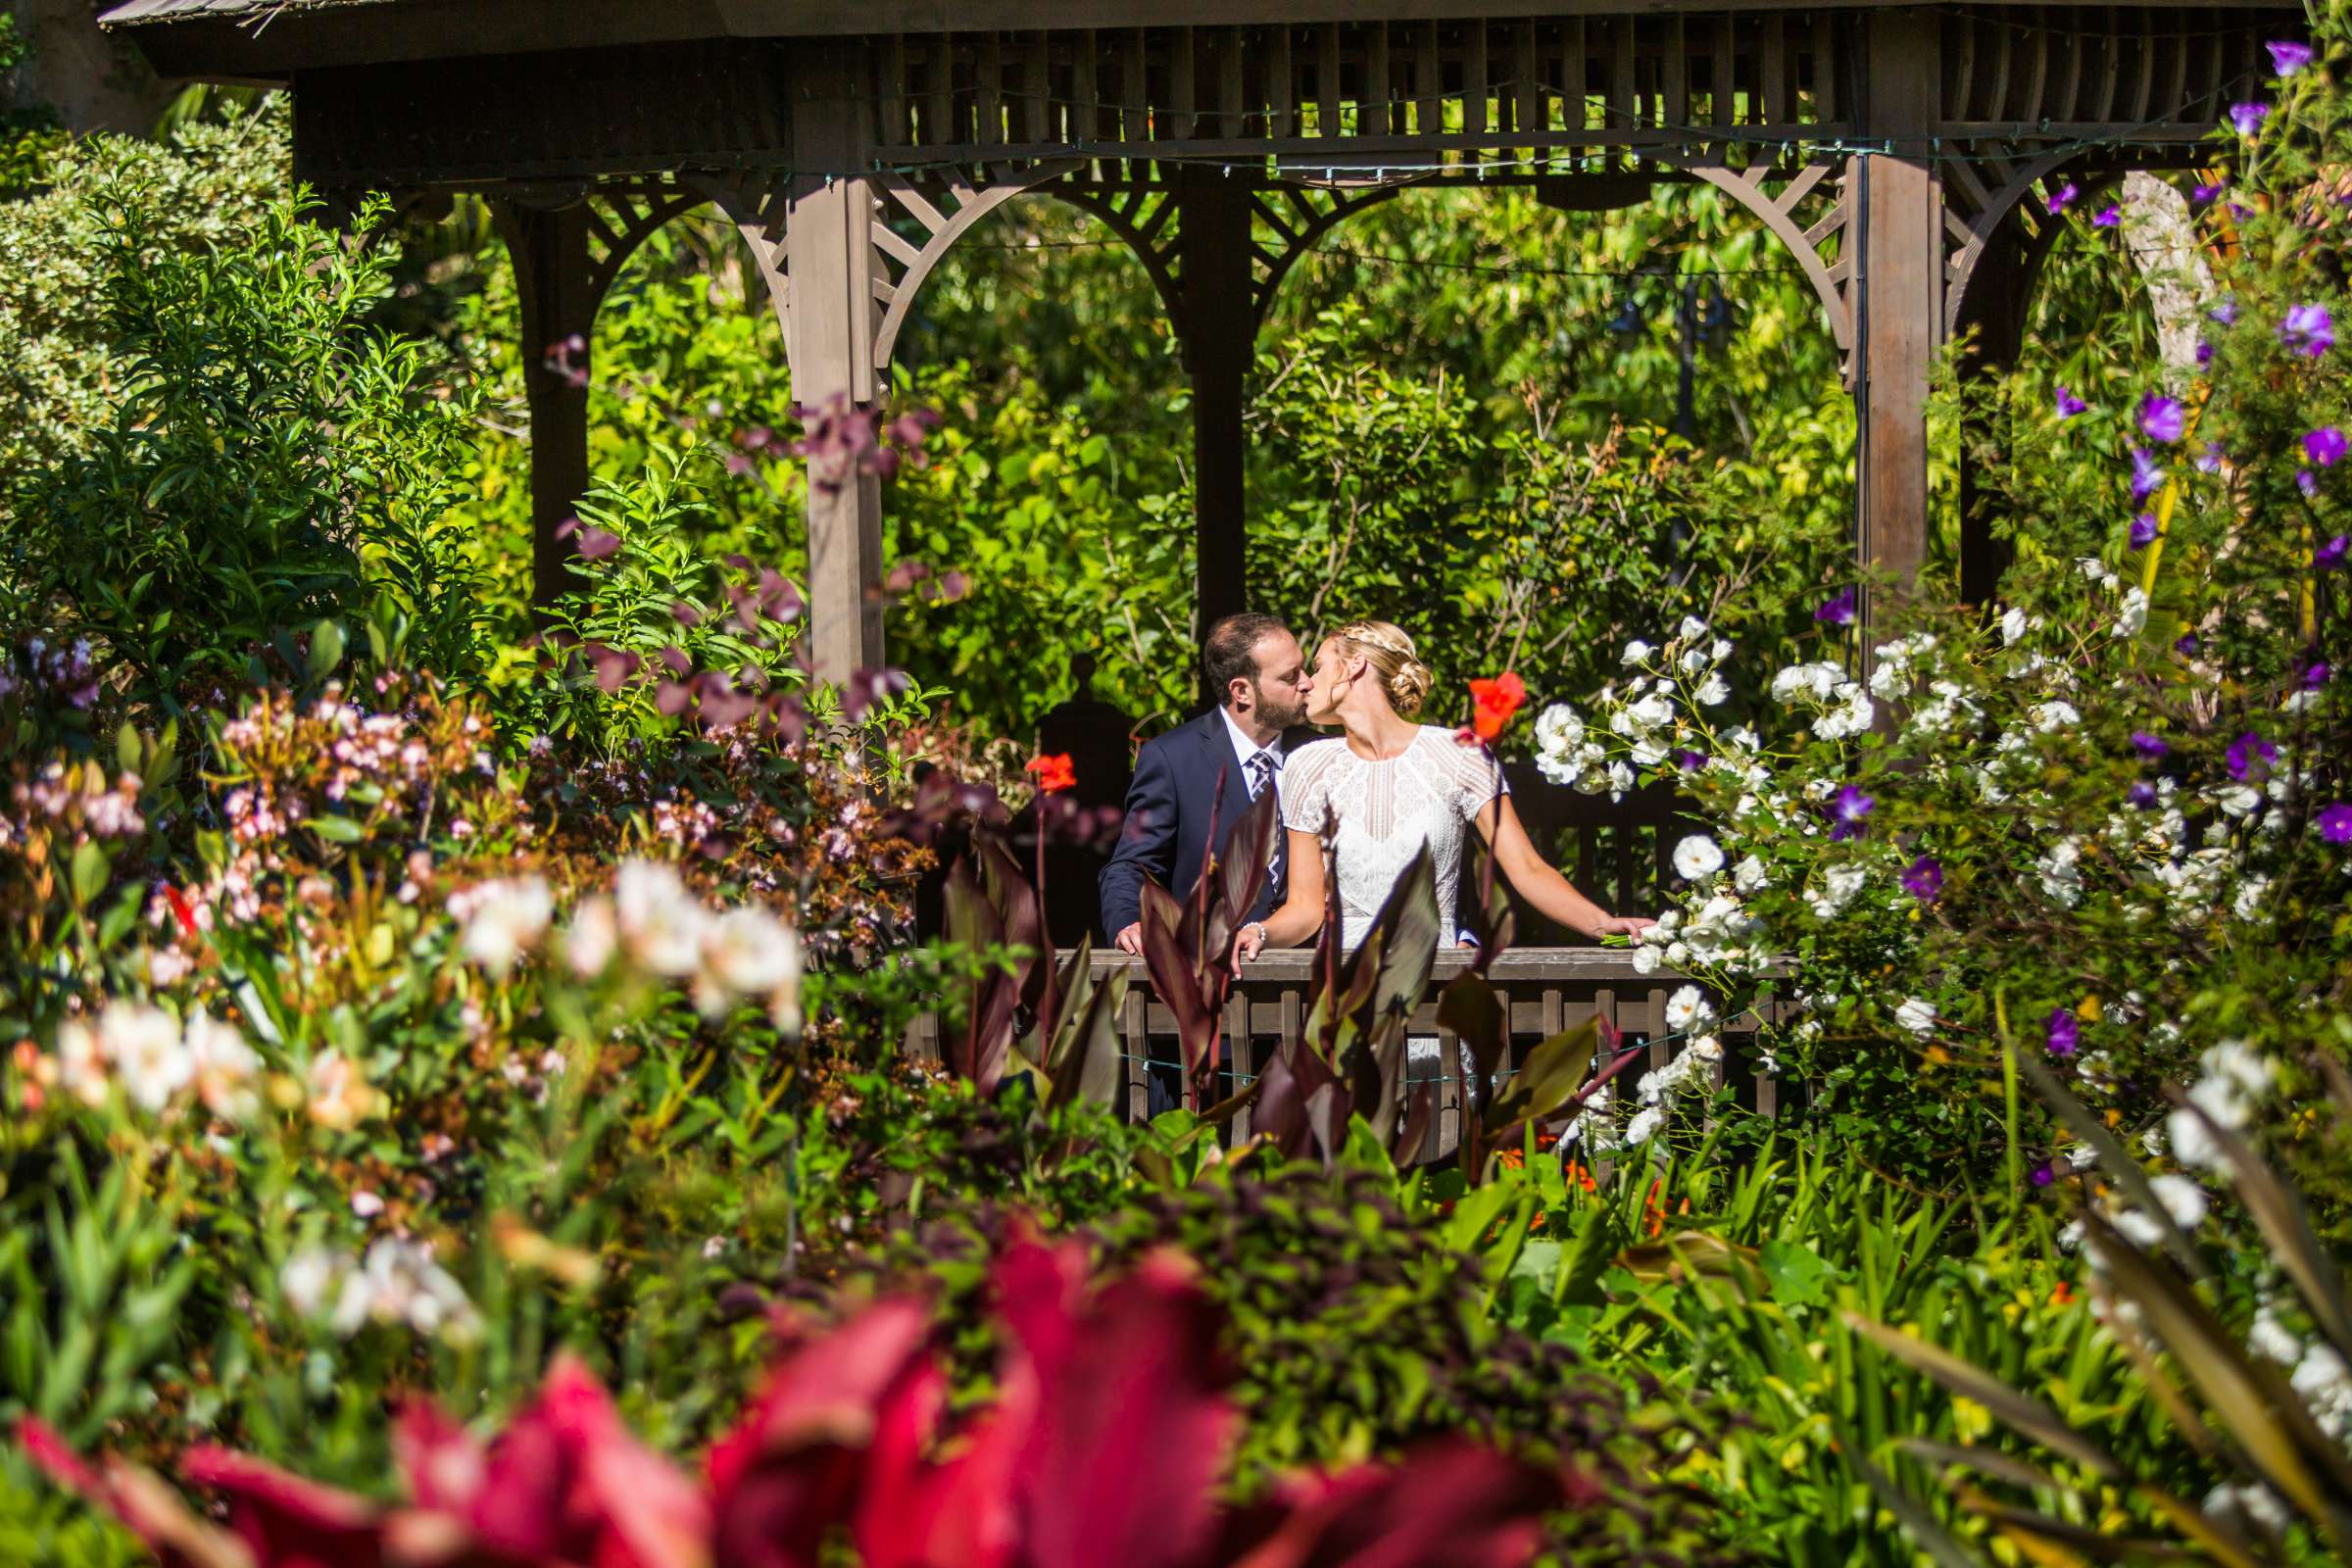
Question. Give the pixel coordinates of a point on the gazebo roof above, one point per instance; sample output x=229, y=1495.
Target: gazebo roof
x=268, y=40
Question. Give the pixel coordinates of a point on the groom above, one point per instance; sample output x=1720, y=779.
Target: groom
x=1175, y=809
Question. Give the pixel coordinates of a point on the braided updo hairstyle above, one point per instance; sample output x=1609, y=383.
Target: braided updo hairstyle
x=1390, y=652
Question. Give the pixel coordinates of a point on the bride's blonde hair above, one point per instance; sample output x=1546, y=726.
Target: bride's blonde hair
x=1389, y=651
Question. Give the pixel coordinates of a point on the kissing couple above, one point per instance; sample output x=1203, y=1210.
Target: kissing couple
x=1391, y=786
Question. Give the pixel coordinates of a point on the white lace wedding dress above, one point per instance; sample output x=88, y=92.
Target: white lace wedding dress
x=1384, y=811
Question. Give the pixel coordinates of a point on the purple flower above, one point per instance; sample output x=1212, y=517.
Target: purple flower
x=2141, y=795
x=2335, y=823
x=2324, y=446
x=2147, y=475
x=2330, y=555
x=2143, y=530
x=1923, y=880
x=2306, y=482
x=2248, y=118
x=2250, y=758
x=2044, y=1174
x=2186, y=647
x=1848, y=811
x=2204, y=355
x=2210, y=460
x=2205, y=193
x=2064, y=1032
x=2288, y=58
x=2148, y=746
x=2107, y=216
x=2225, y=312
x=2064, y=197
x=2316, y=677
x=1690, y=762
x=2069, y=405
x=2162, y=418
x=2308, y=329
x=1837, y=610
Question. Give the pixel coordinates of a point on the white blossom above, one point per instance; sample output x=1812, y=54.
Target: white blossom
x=2131, y=615
x=660, y=922
x=503, y=920
x=1686, y=1008
x=143, y=1045
x=2268, y=1337
x=1695, y=856
x=1838, y=885
x=1918, y=1015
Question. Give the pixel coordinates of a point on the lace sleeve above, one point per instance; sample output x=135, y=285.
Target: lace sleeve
x=1473, y=774
x=1306, y=787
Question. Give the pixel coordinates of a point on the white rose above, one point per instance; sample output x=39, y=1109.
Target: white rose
x=1687, y=1007
x=1695, y=856
x=1917, y=1015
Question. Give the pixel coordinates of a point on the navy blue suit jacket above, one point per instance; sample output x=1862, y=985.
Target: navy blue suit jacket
x=1170, y=823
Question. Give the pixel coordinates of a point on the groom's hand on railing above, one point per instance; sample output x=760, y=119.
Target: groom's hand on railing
x=1130, y=940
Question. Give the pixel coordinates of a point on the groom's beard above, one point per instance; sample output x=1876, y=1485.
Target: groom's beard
x=1279, y=712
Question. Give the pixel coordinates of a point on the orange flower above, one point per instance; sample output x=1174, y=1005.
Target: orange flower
x=1576, y=1176
x=1511, y=1158
x=1496, y=701
x=2064, y=1293
x=1052, y=772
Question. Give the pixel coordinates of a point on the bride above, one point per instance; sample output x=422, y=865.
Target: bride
x=1391, y=786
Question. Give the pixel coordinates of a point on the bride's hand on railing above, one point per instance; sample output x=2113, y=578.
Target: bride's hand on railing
x=1248, y=941
x=1621, y=925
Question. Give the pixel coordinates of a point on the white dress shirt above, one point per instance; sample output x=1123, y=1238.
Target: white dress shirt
x=1244, y=749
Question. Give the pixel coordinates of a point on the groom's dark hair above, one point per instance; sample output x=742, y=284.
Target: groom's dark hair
x=1230, y=652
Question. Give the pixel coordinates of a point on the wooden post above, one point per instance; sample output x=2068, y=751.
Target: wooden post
x=1901, y=222
x=550, y=252
x=1220, y=326
x=827, y=234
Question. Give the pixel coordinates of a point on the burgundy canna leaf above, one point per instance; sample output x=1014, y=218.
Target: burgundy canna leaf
x=792, y=1469
x=596, y=544
x=676, y=659
x=439, y=1459
x=673, y=698
x=285, y=1521
x=1132, y=1399
x=686, y=615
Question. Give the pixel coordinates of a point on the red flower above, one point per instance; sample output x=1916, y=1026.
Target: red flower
x=1496, y=701
x=181, y=910
x=1052, y=772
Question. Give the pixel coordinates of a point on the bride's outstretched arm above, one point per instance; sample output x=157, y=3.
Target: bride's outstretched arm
x=1539, y=884
x=1301, y=913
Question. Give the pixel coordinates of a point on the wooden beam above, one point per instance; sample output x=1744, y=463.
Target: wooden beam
x=1221, y=340
x=227, y=47
x=549, y=253
x=827, y=235
x=1901, y=225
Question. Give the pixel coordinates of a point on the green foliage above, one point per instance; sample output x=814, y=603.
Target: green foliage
x=268, y=461
x=208, y=184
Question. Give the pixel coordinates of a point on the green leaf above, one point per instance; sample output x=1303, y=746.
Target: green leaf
x=1798, y=1274
x=90, y=872
x=336, y=829
x=326, y=649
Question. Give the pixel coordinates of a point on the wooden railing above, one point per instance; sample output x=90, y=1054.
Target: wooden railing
x=1547, y=990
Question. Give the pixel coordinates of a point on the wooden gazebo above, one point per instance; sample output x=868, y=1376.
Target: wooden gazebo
x=1903, y=154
